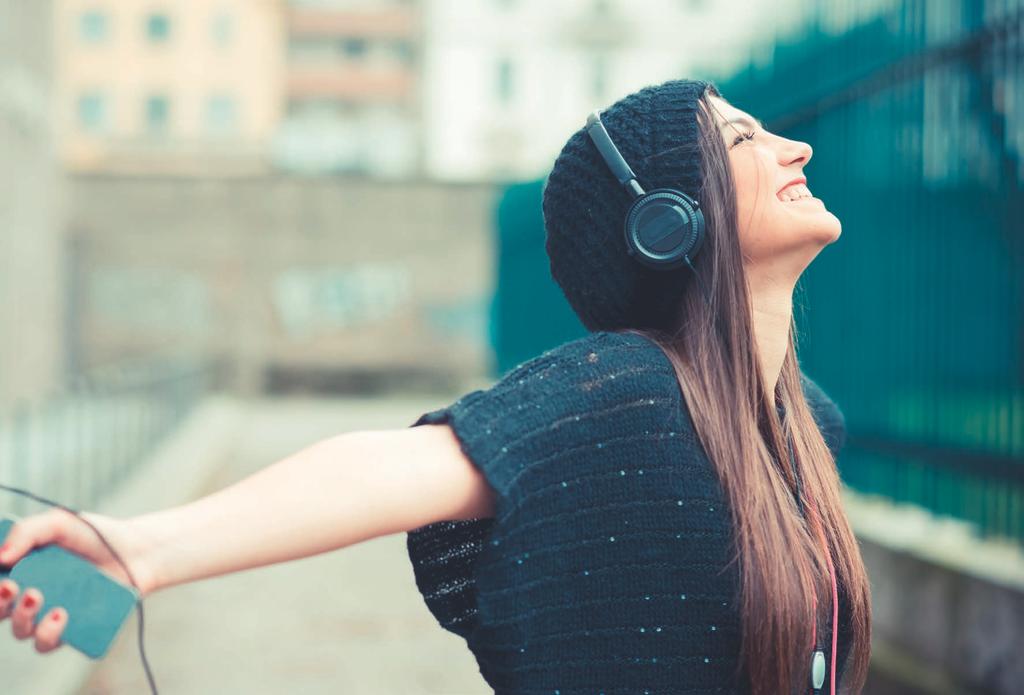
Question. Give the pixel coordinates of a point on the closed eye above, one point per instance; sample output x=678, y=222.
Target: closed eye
x=741, y=137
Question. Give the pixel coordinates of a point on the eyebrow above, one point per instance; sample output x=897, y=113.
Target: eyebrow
x=743, y=119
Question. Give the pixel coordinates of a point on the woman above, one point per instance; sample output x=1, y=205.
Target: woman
x=622, y=513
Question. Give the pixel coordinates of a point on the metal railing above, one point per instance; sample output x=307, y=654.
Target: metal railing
x=76, y=446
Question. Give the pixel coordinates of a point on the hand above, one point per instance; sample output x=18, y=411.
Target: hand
x=67, y=531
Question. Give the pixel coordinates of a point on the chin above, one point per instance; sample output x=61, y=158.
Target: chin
x=826, y=228
x=835, y=229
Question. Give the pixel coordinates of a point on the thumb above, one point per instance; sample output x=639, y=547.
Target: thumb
x=30, y=532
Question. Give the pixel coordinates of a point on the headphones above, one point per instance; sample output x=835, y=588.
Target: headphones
x=664, y=227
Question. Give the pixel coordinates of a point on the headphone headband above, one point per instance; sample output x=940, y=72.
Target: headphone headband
x=611, y=155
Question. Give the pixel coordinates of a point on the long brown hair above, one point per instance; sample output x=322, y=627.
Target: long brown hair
x=714, y=355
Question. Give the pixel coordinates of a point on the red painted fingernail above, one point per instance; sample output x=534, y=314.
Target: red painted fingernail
x=29, y=602
x=55, y=616
x=5, y=593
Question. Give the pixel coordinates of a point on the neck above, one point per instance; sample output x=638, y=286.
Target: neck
x=772, y=303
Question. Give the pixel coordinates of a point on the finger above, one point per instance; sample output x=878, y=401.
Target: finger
x=49, y=630
x=32, y=531
x=8, y=594
x=25, y=612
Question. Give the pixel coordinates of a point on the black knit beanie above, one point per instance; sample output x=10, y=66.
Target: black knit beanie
x=585, y=207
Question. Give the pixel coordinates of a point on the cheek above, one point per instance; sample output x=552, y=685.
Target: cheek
x=754, y=195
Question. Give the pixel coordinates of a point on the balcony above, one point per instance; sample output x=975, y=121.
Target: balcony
x=326, y=23
x=355, y=83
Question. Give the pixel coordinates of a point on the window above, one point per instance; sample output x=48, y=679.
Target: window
x=158, y=108
x=354, y=48
x=312, y=50
x=158, y=27
x=94, y=26
x=221, y=114
x=222, y=29
x=403, y=51
x=505, y=79
x=92, y=112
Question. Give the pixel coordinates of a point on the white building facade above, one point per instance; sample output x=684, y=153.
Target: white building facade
x=507, y=81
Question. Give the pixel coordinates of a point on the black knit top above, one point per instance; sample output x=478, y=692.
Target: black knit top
x=606, y=566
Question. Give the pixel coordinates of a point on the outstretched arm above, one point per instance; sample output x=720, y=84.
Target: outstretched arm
x=332, y=494
x=335, y=493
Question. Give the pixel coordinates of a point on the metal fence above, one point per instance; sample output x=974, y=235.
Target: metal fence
x=528, y=313
x=75, y=447
x=913, y=317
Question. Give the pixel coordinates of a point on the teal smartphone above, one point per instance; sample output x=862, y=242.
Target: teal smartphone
x=97, y=605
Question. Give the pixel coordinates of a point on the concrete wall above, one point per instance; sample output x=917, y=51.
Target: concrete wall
x=330, y=281
x=31, y=259
x=947, y=606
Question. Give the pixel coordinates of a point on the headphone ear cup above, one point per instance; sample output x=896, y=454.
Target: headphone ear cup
x=663, y=227
x=698, y=233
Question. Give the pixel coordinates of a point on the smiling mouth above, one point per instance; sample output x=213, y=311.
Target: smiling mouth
x=795, y=192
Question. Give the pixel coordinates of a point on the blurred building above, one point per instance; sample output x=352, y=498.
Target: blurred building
x=192, y=86
x=510, y=80
x=353, y=88
x=344, y=283
x=31, y=295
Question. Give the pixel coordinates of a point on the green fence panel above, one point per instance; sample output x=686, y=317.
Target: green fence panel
x=529, y=312
x=912, y=320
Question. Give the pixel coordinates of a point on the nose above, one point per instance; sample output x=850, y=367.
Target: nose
x=797, y=151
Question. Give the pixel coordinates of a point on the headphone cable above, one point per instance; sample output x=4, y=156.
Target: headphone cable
x=700, y=283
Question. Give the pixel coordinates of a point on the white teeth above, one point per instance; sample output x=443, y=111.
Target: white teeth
x=794, y=192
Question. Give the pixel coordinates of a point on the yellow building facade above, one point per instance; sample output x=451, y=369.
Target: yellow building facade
x=187, y=86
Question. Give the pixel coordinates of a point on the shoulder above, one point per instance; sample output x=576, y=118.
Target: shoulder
x=827, y=414
x=599, y=351
x=583, y=389
x=602, y=363
x=599, y=368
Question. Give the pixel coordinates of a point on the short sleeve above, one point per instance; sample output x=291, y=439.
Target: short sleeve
x=444, y=554
x=493, y=427
x=516, y=432
x=829, y=417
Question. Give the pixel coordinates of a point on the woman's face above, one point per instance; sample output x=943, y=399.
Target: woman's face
x=775, y=218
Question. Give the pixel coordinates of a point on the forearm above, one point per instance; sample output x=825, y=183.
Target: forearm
x=327, y=496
